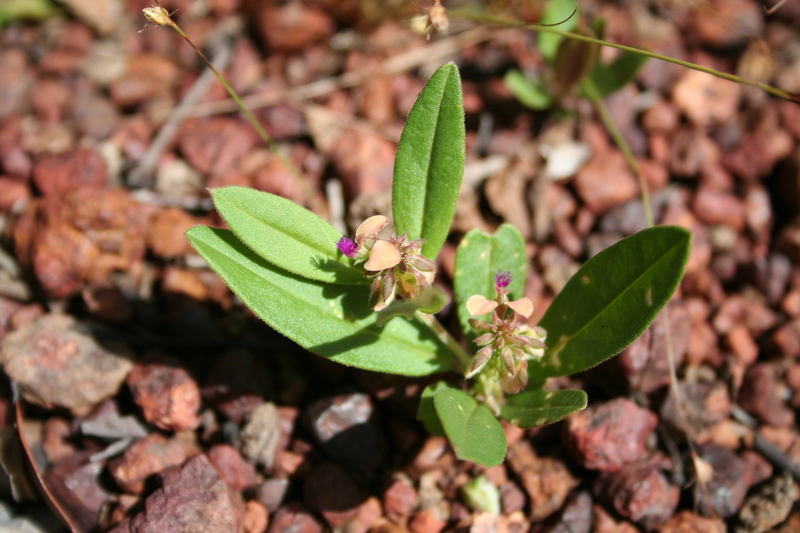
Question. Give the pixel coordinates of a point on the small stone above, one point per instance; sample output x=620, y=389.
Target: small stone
x=689, y=522
x=760, y=395
x=343, y=427
x=399, y=500
x=13, y=193
x=606, y=436
x=603, y=522
x=734, y=24
x=150, y=455
x=235, y=471
x=256, y=517
x=368, y=514
x=705, y=99
x=165, y=234
x=724, y=492
x=292, y=27
x=512, y=497
x=215, y=145
x=193, y=497
x=768, y=506
x=605, y=181
x=698, y=407
x=426, y=521
x=738, y=309
x=575, y=517
x=261, y=435
x=272, y=492
x=56, y=363
x=56, y=436
x=741, y=343
x=294, y=518
x=547, y=481
x=639, y=492
x=330, y=491
x=718, y=207
x=55, y=174
x=148, y=76
x=168, y=396
x=75, y=484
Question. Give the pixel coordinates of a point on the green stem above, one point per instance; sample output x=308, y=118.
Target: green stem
x=591, y=92
x=479, y=17
x=463, y=357
x=307, y=190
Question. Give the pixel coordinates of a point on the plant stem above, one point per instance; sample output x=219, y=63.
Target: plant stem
x=462, y=356
x=489, y=19
x=590, y=89
x=316, y=204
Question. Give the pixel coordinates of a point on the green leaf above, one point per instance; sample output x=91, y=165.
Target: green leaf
x=430, y=162
x=426, y=412
x=286, y=234
x=530, y=409
x=474, y=432
x=478, y=258
x=557, y=11
x=481, y=495
x=334, y=321
x=32, y=10
x=609, y=78
x=530, y=93
x=611, y=300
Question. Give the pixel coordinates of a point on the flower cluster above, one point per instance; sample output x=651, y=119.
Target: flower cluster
x=397, y=264
x=510, y=344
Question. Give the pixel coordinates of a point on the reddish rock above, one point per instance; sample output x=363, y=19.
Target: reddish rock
x=603, y=522
x=148, y=76
x=733, y=24
x=365, y=163
x=605, y=181
x=426, y=521
x=606, y=436
x=787, y=338
x=705, y=99
x=724, y=492
x=639, y=492
x=739, y=309
x=13, y=193
x=55, y=174
x=56, y=363
x=165, y=234
x=575, y=517
x=151, y=455
x=216, y=145
x=56, y=435
x=741, y=343
x=343, y=427
x=256, y=517
x=192, y=497
x=74, y=483
x=399, y=500
x=168, y=396
x=293, y=26
x=547, y=481
x=699, y=406
x=717, y=207
x=235, y=471
x=330, y=491
x=512, y=497
x=760, y=395
x=689, y=522
x=293, y=518
x=367, y=516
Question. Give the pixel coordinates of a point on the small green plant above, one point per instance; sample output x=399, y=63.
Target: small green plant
x=368, y=301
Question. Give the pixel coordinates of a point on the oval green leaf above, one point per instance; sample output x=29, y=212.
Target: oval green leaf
x=478, y=258
x=429, y=162
x=474, y=432
x=530, y=409
x=426, y=412
x=286, y=234
x=611, y=300
x=334, y=321
x=562, y=13
x=609, y=78
x=530, y=93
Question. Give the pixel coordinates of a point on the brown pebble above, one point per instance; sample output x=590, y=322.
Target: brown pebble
x=293, y=26
x=606, y=436
x=256, y=517
x=192, y=497
x=718, y=207
x=168, y=396
x=399, y=500
x=165, y=233
x=237, y=473
x=272, y=492
x=330, y=491
x=575, y=517
x=724, y=491
x=150, y=455
x=603, y=522
x=56, y=435
x=74, y=483
x=57, y=363
x=426, y=521
x=215, y=145
x=261, y=435
x=13, y=193
x=767, y=506
x=148, y=76
x=55, y=174
x=689, y=522
x=760, y=394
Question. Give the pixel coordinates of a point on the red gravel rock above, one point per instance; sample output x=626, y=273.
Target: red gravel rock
x=13, y=193
x=235, y=471
x=689, y=522
x=741, y=343
x=271, y=493
x=215, y=145
x=787, y=338
x=724, y=492
x=56, y=433
x=606, y=436
x=330, y=491
x=603, y=522
x=192, y=497
x=168, y=396
x=57, y=364
x=717, y=207
x=151, y=455
x=751, y=311
x=148, y=75
x=293, y=26
x=576, y=517
x=606, y=180
x=54, y=174
x=760, y=395
x=734, y=23
x=547, y=481
x=75, y=484
x=639, y=492
x=293, y=518
x=165, y=234
x=426, y=521
x=399, y=500
x=701, y=406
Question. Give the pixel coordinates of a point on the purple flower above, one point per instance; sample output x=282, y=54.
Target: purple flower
x=347, y=246
x=502, y=279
